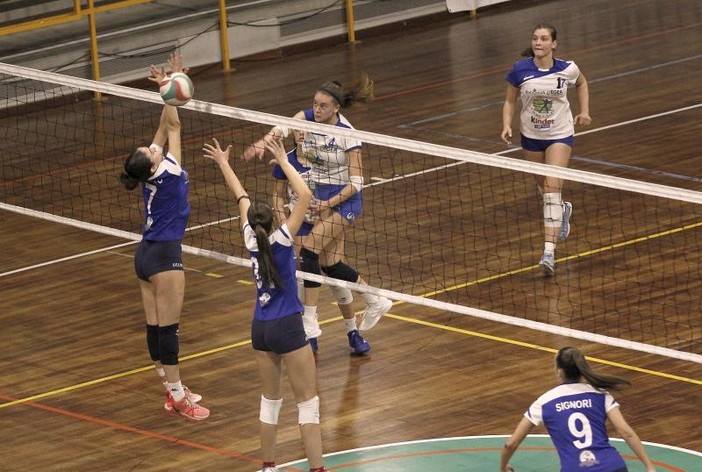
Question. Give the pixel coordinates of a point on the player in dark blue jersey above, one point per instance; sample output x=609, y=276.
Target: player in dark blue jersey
x=575, y=414
x=158, y=261
x=277, y=333
x=338, y=177
x=547, y=126
x=284, y=196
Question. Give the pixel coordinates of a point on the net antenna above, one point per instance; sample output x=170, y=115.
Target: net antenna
x=446, y=228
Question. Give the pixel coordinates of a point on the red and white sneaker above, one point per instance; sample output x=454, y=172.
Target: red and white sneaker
x=194, y=397
x=186, y=407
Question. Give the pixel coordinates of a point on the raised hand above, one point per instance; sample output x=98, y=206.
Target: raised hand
x=216, y=153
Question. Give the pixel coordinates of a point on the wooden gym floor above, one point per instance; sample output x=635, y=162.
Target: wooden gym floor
x=77, y=390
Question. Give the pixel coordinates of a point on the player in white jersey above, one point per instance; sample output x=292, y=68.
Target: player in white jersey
x=158, y=260
x=575, y=414
x=284, y=196
x=547, y=126
x=277, y=333
x=338, y=177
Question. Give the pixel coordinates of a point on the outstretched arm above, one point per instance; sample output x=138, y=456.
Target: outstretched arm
x=169, y=124
x=258, y=148
x=221, y=157
x=298, y=184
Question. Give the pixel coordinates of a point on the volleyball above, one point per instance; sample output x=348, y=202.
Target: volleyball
x=176, y=89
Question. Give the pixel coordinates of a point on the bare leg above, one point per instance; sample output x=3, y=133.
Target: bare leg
x=269, y=368
x=303, y=378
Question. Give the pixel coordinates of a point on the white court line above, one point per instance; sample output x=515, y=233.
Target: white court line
x=136, y=237
x=590, y=81
x=133, y=237
x=468, y=438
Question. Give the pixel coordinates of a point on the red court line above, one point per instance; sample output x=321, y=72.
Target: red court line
x=143, y=432
x=671, y=468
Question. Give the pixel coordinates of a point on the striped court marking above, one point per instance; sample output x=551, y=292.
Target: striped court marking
x=482, y=453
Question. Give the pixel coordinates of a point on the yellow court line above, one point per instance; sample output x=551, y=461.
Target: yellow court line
x=541, y=348
x=609, y=247
x=420, y=322
x=116, y=376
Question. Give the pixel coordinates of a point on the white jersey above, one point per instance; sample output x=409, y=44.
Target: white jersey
x=327, y=154
x=545, y=108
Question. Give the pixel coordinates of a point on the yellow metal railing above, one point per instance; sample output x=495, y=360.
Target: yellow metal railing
x=87, y=8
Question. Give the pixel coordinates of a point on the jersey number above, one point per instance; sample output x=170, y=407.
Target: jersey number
x=579, y=426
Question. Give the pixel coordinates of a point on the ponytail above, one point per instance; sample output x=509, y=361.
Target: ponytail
x=574, y=365
x=361, y=92
x=260, y=217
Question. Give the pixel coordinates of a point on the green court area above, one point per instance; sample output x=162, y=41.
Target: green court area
x=482, y=454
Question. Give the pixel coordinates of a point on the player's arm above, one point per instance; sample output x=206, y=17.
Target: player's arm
x=279, y=200
x=629, y=435
x=297, y=215
x=258, y=148
x=169, y=124
x=221, y=157
x=581, y=88
x=508, y=113
x=356, y=180
x=510, y=447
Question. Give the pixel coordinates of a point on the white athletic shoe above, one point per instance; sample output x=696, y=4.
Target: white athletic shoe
x=548, y=264
x=373, y=313
x=565, y=224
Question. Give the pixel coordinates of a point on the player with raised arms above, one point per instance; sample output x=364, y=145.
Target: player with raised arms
x=158, y=261
x=277, y=332
x=337, y=173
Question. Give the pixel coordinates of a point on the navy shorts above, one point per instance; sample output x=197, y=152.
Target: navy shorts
x=153, y=257
x=280, y=336
x=349, y=209
x=540, y=145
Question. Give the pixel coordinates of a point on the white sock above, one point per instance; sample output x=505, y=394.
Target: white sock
x=310, y=312
x=369, y=298
x=176, y=390
x=550, y=248
x=350, y=324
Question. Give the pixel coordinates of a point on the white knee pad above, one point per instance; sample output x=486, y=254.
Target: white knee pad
x=343, y=295
x=308, y=412
x=553, y=210
x=270, y=409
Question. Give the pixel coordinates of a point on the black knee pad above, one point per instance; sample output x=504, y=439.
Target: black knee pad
x=152, y=341
x=309, y=262
x=168, y=344
x=341, y=271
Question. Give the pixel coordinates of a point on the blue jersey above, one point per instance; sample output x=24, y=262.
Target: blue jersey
x=575, y=416
x=166, y=207
x=275, y=302
x=545, y=110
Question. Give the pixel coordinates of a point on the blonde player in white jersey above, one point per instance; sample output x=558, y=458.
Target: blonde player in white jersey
x=337, y=173
x=547, y=125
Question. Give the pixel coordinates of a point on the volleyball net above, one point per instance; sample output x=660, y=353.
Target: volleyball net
x=442, y=227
